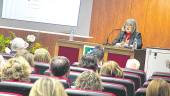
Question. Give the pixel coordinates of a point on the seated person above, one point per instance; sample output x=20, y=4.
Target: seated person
x=133, y=64
x=16, y=69
x=89, y=80
x=60, y=67
x=111, y=68
x=88, y=61
x=47, y=87
x=42, y=55
x=158, y=87
x=129, y=36
x=98, y=52
x=2, y=61
x=18, y=44
x=28, y=56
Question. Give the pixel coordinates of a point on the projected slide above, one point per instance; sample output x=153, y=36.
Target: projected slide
x=64, y=12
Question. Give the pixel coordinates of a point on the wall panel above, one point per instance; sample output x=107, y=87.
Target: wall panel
x=152, y=16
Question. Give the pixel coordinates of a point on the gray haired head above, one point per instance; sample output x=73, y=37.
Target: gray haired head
x=131, y=22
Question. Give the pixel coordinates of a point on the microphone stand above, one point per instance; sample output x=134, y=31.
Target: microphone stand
x=108, y=36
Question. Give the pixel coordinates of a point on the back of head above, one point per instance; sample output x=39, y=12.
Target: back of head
x=98, y=52
x=16, y=69
x=111, y=68
x=2, y=61
x=158, y=87
x=88, y=61
x=133, y=64
x=18, y=44
x=164, y=89
x=59, y=66
x=27, y=55
x=47, y=87
x=89, y=80
x=42, y=55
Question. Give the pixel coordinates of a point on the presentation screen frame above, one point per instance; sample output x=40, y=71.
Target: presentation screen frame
x=82, y=28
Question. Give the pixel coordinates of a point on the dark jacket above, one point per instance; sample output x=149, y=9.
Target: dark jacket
x=135, y=35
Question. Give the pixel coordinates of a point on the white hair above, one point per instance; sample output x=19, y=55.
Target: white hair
x=2, y=61
x=133, y=64
x=18, y=43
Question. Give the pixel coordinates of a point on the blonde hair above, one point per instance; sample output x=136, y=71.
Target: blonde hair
x=133, y=64
x=158, y=87
x=89, y=80
x=16, y=69
x=47, y=87
x=110, y=68
x=27, y=55
x=42, y=55
x=2, y=62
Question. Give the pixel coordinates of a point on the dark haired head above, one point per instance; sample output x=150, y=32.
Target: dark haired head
x=59, y=66
x=98, y=52
x=88, y=61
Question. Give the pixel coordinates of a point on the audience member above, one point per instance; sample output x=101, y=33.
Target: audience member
x=89, y=80
x=60, y=66
x=111, y=68
x=42, y=55
x=18, y=44
x=133, y=64
x=47, y=87
x=158, y=87
x=2, y=61
x=98, y=52
x=27, y=55
x=17, y=69
x=88, y=61
x=164, y=89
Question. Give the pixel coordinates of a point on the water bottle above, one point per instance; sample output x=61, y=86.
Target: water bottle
x=71, y=35
x=135, y=44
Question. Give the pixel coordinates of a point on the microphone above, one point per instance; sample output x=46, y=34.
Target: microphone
x=108, y=36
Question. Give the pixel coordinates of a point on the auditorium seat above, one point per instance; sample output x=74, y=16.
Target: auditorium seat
x=141, y=92
x=78, y=69
x=47, y=72
x=141, y=73
x=9, y=94
x=118, y=89
x=73, y=76
x=16, y=87
x=135, y=78
x=7, y=56
x=40, y=67
x=34, y=77
x=77, y=92
x=163, y=74
x=129, y=84
x=159, y=77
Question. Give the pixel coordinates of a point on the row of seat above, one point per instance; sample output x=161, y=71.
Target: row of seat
x=132, y=78
x=156, y=75
x=8, y=88
x=114, y=88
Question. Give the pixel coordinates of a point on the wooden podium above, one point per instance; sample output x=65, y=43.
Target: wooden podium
x=73, y=50
x=120, y=55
